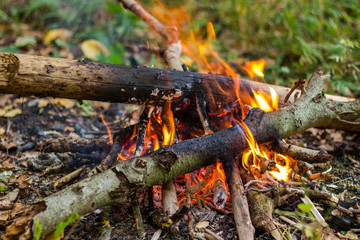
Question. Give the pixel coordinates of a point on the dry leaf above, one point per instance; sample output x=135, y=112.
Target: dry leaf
x=67, y=103
x=4, y=216
x=9, y=111
x=2, y=131
x=8, y=166
x=103, y=105
x=42, y=103
x=60, y=33
x=203, y=224
x=351, y=235
x=92, y=48
x=6, y=204
x=21, y=181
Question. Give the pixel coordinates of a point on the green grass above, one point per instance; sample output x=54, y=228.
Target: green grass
x=295, y=37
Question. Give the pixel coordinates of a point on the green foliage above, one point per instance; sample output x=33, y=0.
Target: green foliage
x=86, y=107
x=62, y=225
x=306, y=221
x=296, y=37
x=38, y=229
x=60, y=228
x=4, y=175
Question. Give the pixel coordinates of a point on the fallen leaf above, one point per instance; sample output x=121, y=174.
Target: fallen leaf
x=2, y=131
x=203, y=224
x=25, y=41
x=4, y=216
x=43, y=103
x=351, y=235
x=6, y=204
x=8, y=166
x=53, y=34
x=21, y=181
x=103, y=105
x=9, y=111
x=92, y=48
x=67, y=103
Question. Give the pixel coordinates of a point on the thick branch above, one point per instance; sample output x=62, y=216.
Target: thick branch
x=83, y=79
x=129, y=176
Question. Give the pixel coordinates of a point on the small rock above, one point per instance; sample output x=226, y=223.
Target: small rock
x=58, y=127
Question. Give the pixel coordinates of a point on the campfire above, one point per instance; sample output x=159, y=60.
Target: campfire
x=210, y=139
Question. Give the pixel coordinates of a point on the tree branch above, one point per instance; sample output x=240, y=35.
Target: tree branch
x=127, y=177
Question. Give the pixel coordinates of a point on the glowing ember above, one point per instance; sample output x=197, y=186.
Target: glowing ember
x=255, y=68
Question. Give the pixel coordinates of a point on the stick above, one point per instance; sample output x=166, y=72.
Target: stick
x=300, y=153
x=83, y=79
x=125, y=178
x=239, y=201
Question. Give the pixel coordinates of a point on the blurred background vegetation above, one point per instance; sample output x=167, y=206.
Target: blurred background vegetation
x=295, y=37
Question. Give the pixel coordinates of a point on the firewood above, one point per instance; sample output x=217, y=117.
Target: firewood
x=83, y=79
x=127, y=177
x=78, y=145
x=300, y=153
x=239, y=201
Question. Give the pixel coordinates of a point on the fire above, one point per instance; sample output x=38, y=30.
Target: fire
x=255, y=68
x=256, y=156
x=169, y=125
x=264, y=101
x=108, y=130
x=199, y=52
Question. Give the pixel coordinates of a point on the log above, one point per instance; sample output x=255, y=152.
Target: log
x=87, y=80
x=127, y=177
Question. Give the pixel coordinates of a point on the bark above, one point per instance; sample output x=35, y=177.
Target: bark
x=127, y=177
x=83, y=79
x=239, y=201
x=300, y=153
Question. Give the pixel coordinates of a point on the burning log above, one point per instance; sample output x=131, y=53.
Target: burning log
x=83, y=79
x=127, y=177
x=219, y=189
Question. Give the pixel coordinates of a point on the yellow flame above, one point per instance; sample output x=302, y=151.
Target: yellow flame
x=255, y=68
x=169, y=126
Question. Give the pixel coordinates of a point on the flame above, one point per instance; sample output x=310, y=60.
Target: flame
x=282, y=169
x=199, y=52
x=169, y=125
x=255, y=68
x=108, y=130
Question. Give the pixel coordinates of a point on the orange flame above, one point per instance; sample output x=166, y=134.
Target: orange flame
x=255, y=68
x=282, y=169
x=169, y=126
x=200, y=53
x=108, y=130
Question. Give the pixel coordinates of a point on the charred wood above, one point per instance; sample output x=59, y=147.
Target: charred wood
x=127, y=177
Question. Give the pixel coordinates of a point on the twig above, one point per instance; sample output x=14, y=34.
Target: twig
x=299, y=83
x=239, y=201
